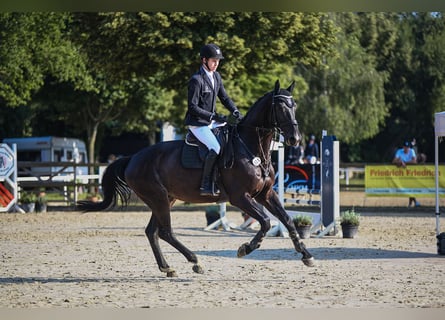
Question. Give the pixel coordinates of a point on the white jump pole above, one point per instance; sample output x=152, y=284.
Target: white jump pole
x=222, y=221
x=279, y=229
x=436, y=163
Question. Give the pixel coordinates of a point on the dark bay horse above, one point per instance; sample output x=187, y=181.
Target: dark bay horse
x=156, y=176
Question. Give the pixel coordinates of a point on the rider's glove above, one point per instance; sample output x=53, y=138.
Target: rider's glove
x=235, y=118
x=219, y=118
x=237, y=114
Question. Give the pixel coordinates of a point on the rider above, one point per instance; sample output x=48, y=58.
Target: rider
x=201, y=115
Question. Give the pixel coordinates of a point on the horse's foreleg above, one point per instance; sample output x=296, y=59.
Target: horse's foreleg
x=253, y=209
x=274, y=206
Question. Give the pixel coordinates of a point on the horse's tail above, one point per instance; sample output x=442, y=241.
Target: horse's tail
x=114, y=186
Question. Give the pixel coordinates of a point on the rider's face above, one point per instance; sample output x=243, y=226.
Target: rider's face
x=211, y=64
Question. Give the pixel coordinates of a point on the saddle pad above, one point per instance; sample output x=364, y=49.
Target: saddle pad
x=190, y=157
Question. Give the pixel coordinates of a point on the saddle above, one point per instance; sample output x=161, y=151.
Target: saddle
x=194, y=151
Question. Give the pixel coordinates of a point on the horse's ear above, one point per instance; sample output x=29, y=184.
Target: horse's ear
x=291, y=87
x=277, y=86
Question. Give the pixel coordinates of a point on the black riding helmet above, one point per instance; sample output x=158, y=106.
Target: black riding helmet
x=211, y=51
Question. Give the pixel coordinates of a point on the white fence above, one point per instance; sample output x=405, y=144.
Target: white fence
x=64, y=179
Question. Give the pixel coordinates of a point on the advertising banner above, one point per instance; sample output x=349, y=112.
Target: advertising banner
x=300, y=177
x=412, y=181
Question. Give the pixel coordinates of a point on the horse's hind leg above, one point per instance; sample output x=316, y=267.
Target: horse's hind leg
x=160, y=227
x=152, y=232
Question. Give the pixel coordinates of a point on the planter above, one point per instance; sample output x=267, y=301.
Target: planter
x=349, y=230
x=28, y=207
x=441, y=243
x=212, y=214
x=40, y=207
x=304, y=232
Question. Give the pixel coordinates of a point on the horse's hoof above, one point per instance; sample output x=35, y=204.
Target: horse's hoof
x=172, y=274
x=310, y=262
x=198, y=269
x=242, y=251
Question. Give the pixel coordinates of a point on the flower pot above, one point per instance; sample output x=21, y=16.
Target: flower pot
x=28, y=207
x=212, y=214
x=349, y=230
x=40, y=207
x=304, y=232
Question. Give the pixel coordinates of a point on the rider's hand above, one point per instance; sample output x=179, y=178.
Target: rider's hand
x=237, y=115
x=219, y=118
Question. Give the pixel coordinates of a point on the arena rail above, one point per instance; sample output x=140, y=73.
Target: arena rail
x=60, y=177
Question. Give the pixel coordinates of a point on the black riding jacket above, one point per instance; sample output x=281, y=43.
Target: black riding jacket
x=202, y=98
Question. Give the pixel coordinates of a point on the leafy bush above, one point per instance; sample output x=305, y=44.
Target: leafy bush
x=28, y=197
x=349, y=217
x=302, y=220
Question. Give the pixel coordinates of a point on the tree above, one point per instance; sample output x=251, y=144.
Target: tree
x=33, y=46
x=415, y=87
x=130, y=70
x=346, y=97
x=168, y=44
x=127, y=105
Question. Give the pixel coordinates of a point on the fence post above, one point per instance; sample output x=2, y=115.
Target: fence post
x=75, y=183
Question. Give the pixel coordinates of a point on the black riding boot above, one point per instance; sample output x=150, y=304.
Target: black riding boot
x=207, y=174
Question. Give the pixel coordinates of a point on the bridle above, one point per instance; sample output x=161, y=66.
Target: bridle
x=273, y=117
x=273, y=120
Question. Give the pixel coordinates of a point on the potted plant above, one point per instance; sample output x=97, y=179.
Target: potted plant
x=212, y=214
x=41, y=202
x=303, y=224
x=349, y=221
x=28, y=201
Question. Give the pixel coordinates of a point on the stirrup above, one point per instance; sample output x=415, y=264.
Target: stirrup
x=212, y=191
x=216, y=191
x=204, y=192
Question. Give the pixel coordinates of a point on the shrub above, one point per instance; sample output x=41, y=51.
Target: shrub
x=349, y=217
x=27, y=197
x=302, y=220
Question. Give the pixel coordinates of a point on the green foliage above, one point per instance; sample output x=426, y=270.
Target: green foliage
x=33, y=46
x=346, y=96
x=256, y=46
x=302, y=220
x=350, y=217
x=27, y=197
x=372, y=79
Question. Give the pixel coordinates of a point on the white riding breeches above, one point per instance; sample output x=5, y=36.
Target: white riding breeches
x=206, y=136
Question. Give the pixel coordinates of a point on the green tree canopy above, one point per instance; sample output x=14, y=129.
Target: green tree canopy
x=167, y=45
x=33, y=46
x=346, y=97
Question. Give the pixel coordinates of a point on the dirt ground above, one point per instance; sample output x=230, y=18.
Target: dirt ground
x=69, y=259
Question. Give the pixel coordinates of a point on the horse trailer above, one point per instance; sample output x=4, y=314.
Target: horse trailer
x=50, y=149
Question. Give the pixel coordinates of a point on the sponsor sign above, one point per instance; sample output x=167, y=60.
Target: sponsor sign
x=413, y=181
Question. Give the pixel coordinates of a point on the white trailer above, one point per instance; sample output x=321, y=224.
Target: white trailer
x=50, y=149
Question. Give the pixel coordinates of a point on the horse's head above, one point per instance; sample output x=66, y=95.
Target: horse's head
x=283, y=114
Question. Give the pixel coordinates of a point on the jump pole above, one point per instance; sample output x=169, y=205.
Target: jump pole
x=222, y=221
x=330, y=188
x=279, y=229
